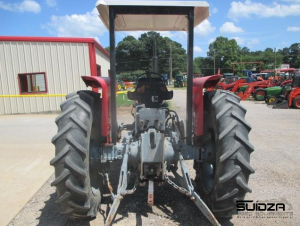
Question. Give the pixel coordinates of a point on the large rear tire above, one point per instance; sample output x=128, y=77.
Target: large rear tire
x=259, y=94
x=224, y=178
x=78, y=180
x=296, y=103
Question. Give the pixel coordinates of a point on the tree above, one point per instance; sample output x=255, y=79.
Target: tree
x=245, y=50
x=294, y=55
x=136, y=54
x=224, y=52
x=129, y=55
x=203, y=65
x=285, y=52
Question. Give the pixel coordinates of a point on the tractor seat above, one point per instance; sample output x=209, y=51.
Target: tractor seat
x=152, y=92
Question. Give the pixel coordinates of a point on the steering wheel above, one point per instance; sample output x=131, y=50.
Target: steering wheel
x=149, y=75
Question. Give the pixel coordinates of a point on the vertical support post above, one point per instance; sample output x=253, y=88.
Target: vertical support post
x=214, y=62
x=275, y=62
x=171, y=63
x=190, y=56
x=155, y=58
x=113, y=106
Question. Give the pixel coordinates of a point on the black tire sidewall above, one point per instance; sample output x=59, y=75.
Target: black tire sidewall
x=221, y=169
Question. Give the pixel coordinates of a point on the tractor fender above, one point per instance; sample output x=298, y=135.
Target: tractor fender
x=198, y=85
x=102, y=83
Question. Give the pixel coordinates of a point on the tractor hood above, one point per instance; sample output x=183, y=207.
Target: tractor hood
x=273, y=88
x=152, y=15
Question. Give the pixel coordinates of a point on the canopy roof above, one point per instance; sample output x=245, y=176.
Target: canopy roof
x=152, y=15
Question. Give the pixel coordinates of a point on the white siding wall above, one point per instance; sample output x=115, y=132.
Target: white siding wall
x=63, y=63
x=104, y=62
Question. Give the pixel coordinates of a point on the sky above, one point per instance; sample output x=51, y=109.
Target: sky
x=256, y=24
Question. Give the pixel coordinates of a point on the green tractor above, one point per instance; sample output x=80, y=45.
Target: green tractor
x=121, y=85
x=270, y=94
x=273, y=93
x=178, y=81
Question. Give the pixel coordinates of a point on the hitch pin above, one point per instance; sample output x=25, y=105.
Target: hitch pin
x=150, y=193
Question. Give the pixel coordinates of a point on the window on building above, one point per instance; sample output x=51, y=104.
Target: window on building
x=98, y=70
x=32, y=83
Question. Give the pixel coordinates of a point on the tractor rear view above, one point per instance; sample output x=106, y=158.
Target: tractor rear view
x=214, y=133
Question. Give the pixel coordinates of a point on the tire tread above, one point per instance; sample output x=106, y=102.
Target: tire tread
x=71, y=161
x=233, y=158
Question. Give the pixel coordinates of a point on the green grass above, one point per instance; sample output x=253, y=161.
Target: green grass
x=170, y=105
x=176, y=88
x=123, y=101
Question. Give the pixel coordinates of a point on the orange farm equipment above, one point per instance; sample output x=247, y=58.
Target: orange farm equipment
x=291, y=99
x=253, y=86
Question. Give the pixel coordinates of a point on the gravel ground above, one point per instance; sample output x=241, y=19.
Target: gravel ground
x=275, y=135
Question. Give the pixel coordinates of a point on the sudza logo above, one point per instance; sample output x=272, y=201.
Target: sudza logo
x=264, y=209
x=259, y=206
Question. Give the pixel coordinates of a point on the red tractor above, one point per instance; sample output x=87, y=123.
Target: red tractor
x=214, y=133
x=229, y=82
x=253, y=86
x=243, y=82
x=291, y=98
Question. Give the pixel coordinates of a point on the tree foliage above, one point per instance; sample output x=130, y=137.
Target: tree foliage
x=223, y=52
x=136, y=55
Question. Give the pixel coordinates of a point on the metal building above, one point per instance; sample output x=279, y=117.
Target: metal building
x=36, y=72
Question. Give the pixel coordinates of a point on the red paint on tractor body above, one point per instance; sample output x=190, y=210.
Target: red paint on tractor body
x=230, y=86
x=287, y=82
x=198, y=85
x=102, y=83
x=240, y=83
x=295, y=92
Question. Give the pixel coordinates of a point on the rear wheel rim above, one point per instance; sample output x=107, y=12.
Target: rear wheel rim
x=260, y=95
x=208, y=168
x=272, y=99
x=207, y=172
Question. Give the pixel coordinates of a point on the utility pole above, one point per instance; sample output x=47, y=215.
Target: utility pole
x=155, y=58
x=275, y=62
x=214, y=62
x=170, y=63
